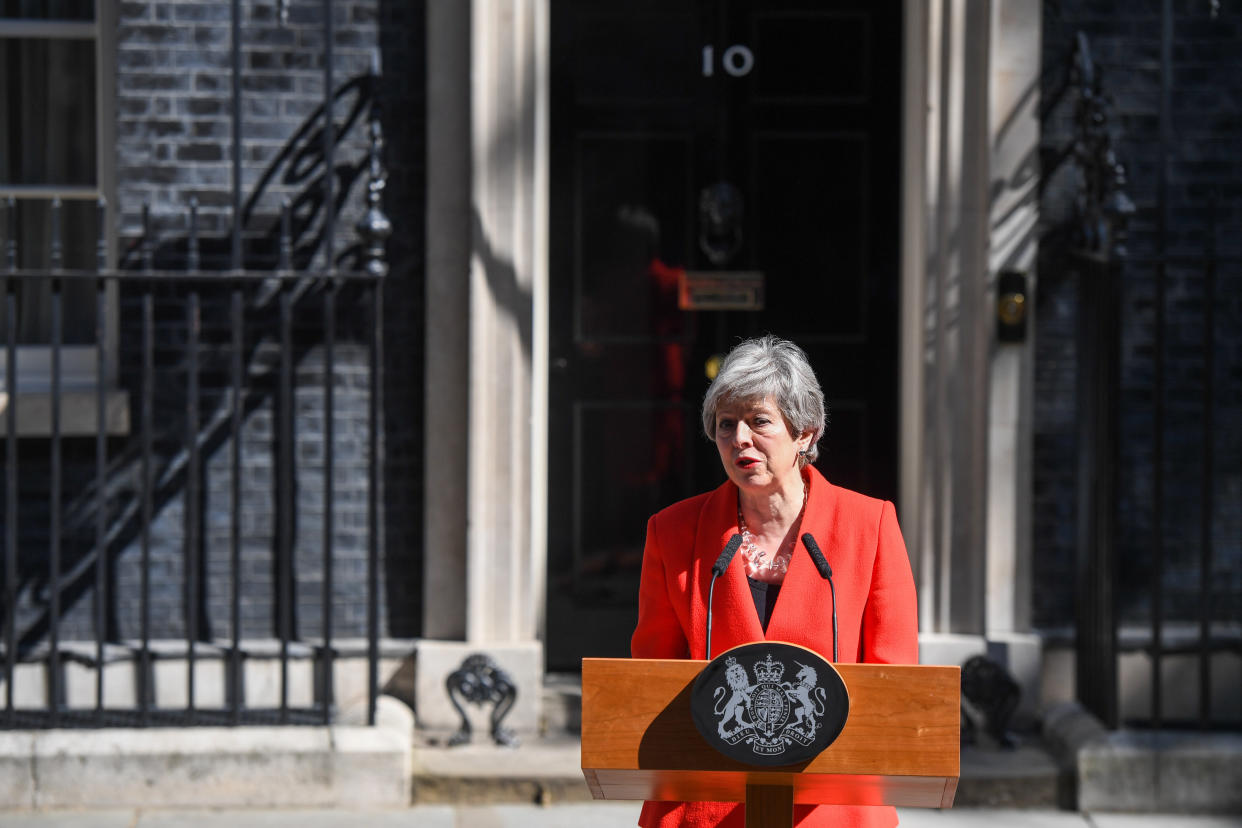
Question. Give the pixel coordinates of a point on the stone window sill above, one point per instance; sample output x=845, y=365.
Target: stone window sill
x=78, y=413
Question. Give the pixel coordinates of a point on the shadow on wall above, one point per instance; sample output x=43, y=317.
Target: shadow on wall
x=501, y=276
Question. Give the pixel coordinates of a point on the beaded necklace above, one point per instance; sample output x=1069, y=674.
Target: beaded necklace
x=758, y=564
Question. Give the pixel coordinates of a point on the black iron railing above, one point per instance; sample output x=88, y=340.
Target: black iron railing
x=162, y=463
x=1147, y=516
x=276, y=329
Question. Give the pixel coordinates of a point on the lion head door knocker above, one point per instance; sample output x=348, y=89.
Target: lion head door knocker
x=769, y=703
x=480, y=681
x=721, y=208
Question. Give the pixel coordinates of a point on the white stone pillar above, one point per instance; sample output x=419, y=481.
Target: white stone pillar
x=486, y=398
x=971, y=138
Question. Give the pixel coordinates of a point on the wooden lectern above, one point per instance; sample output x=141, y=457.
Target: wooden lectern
x=900, y=745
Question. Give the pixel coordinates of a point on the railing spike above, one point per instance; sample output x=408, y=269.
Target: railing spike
x=148, y=243
x=56, y=254
x=286, y=237
x=10, y=244
x=192, y=256
x=101, y=240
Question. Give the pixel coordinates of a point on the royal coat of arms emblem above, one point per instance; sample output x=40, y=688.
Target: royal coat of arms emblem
x=769, y=703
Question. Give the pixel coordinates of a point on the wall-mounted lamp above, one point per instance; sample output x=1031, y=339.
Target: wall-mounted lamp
x=1011, y=306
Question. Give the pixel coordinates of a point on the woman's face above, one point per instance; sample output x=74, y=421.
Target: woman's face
x=755, y=445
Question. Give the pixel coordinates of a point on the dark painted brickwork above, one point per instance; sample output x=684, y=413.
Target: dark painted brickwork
x=174, y=107
x=1204, y=217
x=174, y=143
x=402, y=93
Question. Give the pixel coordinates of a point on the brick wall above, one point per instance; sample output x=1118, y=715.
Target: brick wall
x=1203, y=209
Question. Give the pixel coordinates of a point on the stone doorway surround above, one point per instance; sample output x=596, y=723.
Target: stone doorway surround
x=969, y=142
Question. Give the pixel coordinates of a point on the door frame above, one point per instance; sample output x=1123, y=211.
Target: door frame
x=483, y=102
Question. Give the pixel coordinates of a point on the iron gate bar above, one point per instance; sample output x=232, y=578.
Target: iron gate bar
x=54, y=671
x=192, y=516
x=235, y=45
x=1208, y=494
x=148, y=506
x=286, y=241
x=56, y=249
x=10, y=458
x=101, y=430
x=193, y=261
x=10, y=480
x=373, y=421
x=235, y=498
x=1162, y=191
x=287, y=457
x=329, y=405
x=329, y=138
x=101, y=497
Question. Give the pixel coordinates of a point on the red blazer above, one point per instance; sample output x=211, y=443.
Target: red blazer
x=877, y=613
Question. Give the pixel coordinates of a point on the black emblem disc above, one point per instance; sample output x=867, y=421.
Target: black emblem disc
x=769, y=703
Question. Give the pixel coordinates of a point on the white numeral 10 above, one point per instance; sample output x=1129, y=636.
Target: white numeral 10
x=737, y=60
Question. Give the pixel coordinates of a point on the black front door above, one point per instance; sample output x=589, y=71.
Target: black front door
x=719, y=170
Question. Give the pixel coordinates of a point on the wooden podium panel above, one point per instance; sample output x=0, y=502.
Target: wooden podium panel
x=900, y=745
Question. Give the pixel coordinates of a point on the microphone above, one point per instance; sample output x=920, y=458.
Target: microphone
x=718, y=569
x=722, y=563
x=825, y=572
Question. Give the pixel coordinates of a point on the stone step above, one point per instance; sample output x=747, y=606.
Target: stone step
x=545, y=771
x=1024, y=777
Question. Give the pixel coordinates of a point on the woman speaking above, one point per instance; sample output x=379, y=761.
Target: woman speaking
x=765, y=411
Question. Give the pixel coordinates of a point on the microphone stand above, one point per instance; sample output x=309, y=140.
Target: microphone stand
x=825, y=572
x=718, y=569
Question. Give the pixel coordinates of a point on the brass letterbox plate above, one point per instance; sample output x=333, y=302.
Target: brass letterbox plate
x=720, y=290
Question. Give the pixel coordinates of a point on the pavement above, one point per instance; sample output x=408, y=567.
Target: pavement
x=573, y=815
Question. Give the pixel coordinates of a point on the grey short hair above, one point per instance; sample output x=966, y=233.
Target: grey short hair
x=770, y=367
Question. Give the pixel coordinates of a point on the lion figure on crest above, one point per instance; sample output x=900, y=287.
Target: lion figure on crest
x=733, y=709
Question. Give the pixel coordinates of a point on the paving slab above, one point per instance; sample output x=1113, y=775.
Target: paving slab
x=988, y=818
x=1101, y=820
x=67, y=819
x=440, y=816
x=577, y=815
x=17, y=780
